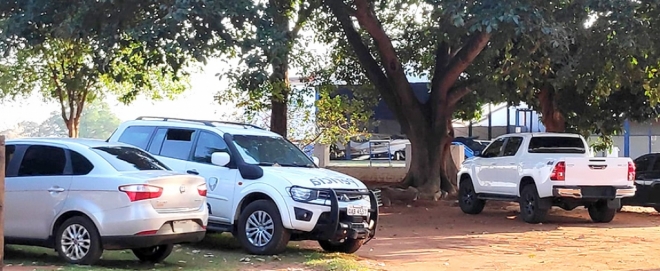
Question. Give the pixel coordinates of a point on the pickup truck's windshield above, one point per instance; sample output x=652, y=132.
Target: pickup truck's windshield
x=556, y=144
x=270, y=151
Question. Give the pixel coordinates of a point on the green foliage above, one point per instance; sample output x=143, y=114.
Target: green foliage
x=418, y=28
x=61, y=71
x=603, y=71
x=274, y=45
x=174, y=32
x=340, y=118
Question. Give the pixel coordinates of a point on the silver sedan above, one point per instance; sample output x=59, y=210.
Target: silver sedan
x=82, y=196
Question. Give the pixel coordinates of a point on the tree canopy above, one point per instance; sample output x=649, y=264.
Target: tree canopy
x=606, y=71
x=61, y=71
x=453, y=43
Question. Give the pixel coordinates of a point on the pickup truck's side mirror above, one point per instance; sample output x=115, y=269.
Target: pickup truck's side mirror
x=220, y=158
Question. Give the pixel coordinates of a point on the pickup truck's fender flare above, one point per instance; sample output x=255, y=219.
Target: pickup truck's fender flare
x=539, y=173
x=271, y=192
x=466, y=170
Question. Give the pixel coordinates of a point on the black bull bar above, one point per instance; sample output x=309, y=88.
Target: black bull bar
x=332, y=228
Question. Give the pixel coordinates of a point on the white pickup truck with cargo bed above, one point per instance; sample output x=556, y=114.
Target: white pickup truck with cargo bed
x=541, y=170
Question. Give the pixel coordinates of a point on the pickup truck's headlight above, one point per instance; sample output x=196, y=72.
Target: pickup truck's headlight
x=303, y=194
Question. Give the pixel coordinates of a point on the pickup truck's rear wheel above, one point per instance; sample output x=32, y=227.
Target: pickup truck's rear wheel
x=600, y=212
x=347, y=245
x=467, y=198
x=530, y=210
x=657, y=209
x=260, y=229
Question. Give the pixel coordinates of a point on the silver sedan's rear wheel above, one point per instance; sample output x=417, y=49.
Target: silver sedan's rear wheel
x=78, y=242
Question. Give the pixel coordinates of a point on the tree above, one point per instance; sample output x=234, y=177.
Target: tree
x=61, y=70
x=130, y=42
x=271, y=47
x=605, y=72
x=97, y=121
x=444, y=40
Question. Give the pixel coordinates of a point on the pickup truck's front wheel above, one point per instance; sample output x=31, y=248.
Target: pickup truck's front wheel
x=530, y=207
x=467, y=198
x=601, y=213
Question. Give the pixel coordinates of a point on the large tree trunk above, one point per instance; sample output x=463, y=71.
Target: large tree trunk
x=279, y=79
x=280, y=99
x=552, y=118
x=73, y=127
x=431, y=161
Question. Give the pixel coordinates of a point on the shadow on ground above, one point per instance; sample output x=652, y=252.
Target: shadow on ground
x=215, y=252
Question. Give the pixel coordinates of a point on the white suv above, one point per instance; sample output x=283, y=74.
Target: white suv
x=261, y=187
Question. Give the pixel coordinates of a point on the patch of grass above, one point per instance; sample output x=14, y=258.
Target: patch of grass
x=336, y=261
x=216, y=252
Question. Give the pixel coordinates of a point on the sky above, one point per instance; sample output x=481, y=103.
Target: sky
x=196, y=102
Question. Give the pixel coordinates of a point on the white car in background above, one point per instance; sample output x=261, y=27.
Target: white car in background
x=82, y=196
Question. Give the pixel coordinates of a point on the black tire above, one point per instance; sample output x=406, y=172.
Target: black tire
x=600, y=213
x=280, y=235
x=467, y=198
x=156, y=254
x=657, y=209
x=529, y=202
x=87, y=233
x=348, y=246
x=620, y=208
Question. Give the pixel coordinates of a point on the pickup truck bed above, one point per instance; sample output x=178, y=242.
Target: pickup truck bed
x=541, y=170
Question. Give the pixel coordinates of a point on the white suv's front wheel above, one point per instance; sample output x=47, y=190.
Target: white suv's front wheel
x=260, y=229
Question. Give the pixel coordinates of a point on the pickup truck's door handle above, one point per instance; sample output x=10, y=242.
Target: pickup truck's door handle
x=56, y=189
x=492, y=164
x=512, y=163
x=192, y=171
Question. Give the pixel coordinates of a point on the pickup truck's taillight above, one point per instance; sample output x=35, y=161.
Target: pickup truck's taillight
x=631, y=171
x=559, y=172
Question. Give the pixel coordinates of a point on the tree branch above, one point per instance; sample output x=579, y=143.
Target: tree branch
x=462, y=60
x=442, y=57
x=367, y=19
x=457, y=95
x=368, y=63
x=58, y=92
x=303, y=16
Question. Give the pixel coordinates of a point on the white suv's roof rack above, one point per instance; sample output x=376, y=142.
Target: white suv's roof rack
x=205, y=122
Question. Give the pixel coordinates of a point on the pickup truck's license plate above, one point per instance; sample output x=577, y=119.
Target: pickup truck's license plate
x=184, y=226
x=357, y=211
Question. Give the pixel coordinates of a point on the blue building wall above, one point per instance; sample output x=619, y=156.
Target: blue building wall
x=381, y=111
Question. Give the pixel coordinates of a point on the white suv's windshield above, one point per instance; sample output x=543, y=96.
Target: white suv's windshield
x=270, y=151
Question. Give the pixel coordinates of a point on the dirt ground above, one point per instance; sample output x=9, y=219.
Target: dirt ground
x=437, y=236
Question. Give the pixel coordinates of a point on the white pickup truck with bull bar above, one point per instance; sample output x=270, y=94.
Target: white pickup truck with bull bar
x=261, y=187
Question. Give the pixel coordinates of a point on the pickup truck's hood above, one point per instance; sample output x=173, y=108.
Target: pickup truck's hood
x=314, y=177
